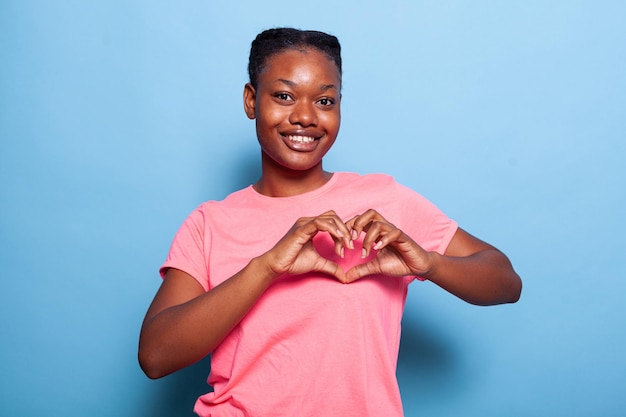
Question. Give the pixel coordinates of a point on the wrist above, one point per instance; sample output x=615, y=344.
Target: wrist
x=263, y=269
x=429, y=270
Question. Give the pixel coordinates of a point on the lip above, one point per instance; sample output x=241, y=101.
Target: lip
x=301, y=141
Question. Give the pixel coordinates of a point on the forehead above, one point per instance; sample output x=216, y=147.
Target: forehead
x=308, y=63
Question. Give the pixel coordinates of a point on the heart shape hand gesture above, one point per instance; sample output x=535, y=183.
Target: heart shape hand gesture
x=340, y=252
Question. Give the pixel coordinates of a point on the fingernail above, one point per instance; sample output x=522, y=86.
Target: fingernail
x=363, y=253
x=351, y=244
x=342, y=252
x=354, y=235
x=339, y=233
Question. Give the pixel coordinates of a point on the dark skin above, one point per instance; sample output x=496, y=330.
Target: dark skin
x=296, y=105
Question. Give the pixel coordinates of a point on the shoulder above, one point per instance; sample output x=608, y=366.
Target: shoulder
x=367, y=180
x=232, y=200
x=374, y=184
x=383, y=187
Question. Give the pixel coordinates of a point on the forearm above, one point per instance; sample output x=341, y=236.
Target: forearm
x=483, y=278
x=183, y=334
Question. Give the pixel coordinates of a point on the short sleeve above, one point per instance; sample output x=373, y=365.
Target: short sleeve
x=432, y=229
x=189, y=249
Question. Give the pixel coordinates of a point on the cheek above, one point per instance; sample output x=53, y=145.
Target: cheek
x=271, y=115
x=332, y=122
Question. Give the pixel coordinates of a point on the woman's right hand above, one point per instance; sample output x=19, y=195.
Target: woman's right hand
x=295, y=254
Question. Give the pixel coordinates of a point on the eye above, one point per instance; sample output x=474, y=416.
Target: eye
x=281, y=96
x=326, y=102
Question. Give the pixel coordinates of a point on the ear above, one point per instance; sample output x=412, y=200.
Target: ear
x=249, y=101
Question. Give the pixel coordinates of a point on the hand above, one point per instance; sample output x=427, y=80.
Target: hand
x=397, y=254
x=294, y=254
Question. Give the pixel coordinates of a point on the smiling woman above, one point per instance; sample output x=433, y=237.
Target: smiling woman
x=297, y=109
x=301, y=310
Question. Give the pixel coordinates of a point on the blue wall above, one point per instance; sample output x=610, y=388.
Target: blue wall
x=118, y=117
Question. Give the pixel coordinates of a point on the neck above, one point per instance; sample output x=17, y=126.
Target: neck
x=281, y=182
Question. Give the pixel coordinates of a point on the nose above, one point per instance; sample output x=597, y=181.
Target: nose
x=303, y=114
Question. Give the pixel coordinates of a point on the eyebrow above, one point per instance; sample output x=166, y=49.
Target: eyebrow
x=323, y=87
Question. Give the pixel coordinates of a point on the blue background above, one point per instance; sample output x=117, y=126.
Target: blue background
x=117, y=118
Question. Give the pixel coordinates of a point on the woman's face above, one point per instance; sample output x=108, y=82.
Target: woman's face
x=297, y=108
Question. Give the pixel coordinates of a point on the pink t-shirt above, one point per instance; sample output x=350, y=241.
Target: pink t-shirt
x=310, y=346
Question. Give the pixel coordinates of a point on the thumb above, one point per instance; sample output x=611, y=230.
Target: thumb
x=332, y=268
x=359, y=271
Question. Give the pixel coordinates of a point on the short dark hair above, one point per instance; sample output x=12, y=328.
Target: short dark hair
x=273, y=41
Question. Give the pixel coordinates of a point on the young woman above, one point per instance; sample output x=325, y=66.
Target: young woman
x=296, y=284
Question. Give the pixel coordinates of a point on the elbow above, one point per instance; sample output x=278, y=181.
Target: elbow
x=508, y=292
x=150, y=364
x=511, y=283
x=517, y=290
x=148, y=367
x=150, y=372
x=513, y=291
x=511, y=286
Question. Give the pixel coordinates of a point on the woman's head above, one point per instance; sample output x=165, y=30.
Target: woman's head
x=273, y=41
x=294, y=95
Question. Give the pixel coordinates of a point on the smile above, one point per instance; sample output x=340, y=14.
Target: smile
x=300, y=139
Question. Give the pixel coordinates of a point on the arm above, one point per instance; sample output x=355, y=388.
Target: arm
x=470, y=268
x=184, y=323
x=475, y=272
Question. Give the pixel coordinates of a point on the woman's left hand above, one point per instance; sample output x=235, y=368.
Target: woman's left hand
x=397, y=254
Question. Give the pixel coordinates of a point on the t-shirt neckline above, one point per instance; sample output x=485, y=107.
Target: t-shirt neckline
x=299, y=197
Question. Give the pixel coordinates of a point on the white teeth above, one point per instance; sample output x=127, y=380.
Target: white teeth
x=300, y=139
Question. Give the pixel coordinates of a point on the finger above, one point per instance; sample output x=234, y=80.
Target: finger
x=374, y=237
x=331, y=268
x=345, y=235
x=339, y=248
x=359, y=271
x=354, y=234
x=329, y=222
x=362, y=222
x=325, y=223
x=359, y=222
x=389, y=235
x=344, y=230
